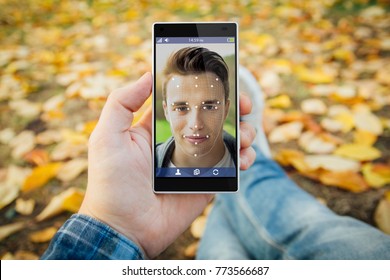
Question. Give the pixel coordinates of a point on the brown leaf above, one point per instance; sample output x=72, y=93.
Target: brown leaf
x=49, y=137
x=286, y=132
x=71, y=169
x=367, y=121
x=313, y=106
x=6, y=135
x=332, y=163
x=20, y=255
x=43, y=236
x=37, y=157
x=8, y=193
x=22, y=144
x=9, y=229
x=10, y=187
x=66, y=150
x=24, y=207
x=313, y=143
x=25, y=108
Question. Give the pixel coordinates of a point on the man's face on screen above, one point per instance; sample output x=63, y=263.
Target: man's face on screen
x=196, y=109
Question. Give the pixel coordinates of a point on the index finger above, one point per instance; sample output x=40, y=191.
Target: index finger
x=245, y=104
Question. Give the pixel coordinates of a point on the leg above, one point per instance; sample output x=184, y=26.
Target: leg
x=275, y=219
x=219, y=241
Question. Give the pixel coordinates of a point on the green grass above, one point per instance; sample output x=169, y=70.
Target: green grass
x=163, y=130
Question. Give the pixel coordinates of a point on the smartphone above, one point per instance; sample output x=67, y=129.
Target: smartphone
x=195, y=108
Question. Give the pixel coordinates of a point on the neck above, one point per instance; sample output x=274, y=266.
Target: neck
x=181, y=159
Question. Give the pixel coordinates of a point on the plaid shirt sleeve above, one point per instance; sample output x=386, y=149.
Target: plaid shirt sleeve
x=83, y=237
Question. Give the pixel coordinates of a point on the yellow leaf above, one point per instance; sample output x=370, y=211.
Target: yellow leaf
x=208, y=209
x=67, y=200
x=7, y=230
x=73, y=202
x=190, y=251
x=294, y=158
x=382, y=169
x=198, y=226
x=374, y=179
x=40, y=176
x=133, y=40
x=314, y=76
x=43, y=236
x=74, y=137
x=347, y=120
x=358, y=152
x=347, y=180
x=382, y=214
x=88, y=127
x=284, y=156
x=263, y=40
x=344, y=55
x=282, y=101
x=364, y=138
x=53, y=115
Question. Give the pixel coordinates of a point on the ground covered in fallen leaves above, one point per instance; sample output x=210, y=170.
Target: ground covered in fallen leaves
x=324, y=66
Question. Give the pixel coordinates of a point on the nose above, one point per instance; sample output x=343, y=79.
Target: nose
x=195, y=120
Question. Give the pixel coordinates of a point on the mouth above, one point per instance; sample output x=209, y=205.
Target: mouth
x=196, y=138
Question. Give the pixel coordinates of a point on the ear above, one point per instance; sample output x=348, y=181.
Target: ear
x=164, y=104
x=227, y=106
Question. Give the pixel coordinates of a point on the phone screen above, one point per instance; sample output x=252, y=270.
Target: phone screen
x=195, y=140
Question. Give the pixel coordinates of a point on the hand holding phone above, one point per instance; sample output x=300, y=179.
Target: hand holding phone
x=195, y=107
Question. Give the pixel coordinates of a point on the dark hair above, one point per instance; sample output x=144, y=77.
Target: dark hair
x=195, y=60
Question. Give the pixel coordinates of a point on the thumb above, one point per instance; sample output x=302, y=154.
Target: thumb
x=117, y=113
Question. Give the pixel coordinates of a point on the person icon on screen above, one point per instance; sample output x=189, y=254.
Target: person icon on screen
x=196, y=104
x=178, y=172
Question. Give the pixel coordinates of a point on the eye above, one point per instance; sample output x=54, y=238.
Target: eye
x=181, y=108
x=209, y=107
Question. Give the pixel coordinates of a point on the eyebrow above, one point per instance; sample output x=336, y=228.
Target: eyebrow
x=206, y=102
x=180, y=103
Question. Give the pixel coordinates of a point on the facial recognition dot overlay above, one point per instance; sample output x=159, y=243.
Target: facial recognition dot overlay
x=195, y=101
x=195, y=120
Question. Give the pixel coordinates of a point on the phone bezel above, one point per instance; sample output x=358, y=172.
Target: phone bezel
x=195, y=184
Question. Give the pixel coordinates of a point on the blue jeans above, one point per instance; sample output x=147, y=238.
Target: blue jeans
x=272, y=218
